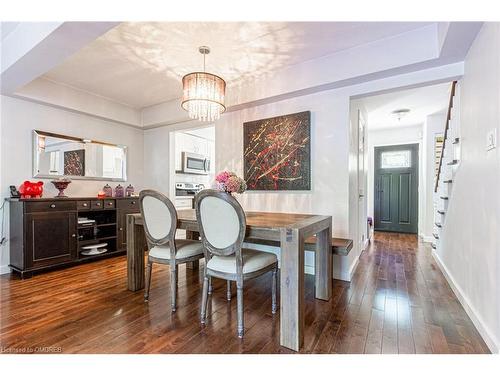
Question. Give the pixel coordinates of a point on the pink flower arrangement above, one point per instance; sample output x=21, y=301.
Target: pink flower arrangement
x=230, y=183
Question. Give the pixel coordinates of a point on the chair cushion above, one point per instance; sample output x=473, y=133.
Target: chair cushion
x=185, y=249
x=253, y=260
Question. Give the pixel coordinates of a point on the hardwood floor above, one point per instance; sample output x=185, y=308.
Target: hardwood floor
x=397, y=302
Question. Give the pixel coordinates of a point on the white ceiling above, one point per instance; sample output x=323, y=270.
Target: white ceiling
x=421, y=102
x=6, y=28
x=141, y=64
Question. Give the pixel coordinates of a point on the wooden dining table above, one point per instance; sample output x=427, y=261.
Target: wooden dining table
x=289, y=231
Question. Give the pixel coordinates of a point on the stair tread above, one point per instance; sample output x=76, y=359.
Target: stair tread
x=445, y=198
x=453, y=162
x=433, y=245
x=447, y=181
x=438, y=225
x=456, y=140
x=441, y=212
x=435, y=235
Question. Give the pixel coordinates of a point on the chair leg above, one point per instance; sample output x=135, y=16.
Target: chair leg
x=210, y=285
x=173, y=287
x=275, y=286
x=149, y=269
x=239, y=296
x=204, y=300
x=228, y=291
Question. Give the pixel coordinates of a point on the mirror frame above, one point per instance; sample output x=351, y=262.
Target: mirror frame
x=37, y=133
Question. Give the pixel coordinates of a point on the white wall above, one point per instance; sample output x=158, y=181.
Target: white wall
x=394, y=136
x=434, y=125
x=330, y=116
x=329, y=194
x=469, y=251
x=20, y=117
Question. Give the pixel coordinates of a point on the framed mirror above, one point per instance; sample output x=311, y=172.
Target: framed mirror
x=56, y=155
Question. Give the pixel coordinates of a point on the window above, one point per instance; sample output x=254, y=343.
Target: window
x=54, y=162
x=396, y=159
x=112, y=161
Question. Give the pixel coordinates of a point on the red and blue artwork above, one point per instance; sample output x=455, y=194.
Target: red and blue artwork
x=277, y=153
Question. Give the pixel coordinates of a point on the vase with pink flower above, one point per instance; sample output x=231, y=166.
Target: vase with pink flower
x=230, y=183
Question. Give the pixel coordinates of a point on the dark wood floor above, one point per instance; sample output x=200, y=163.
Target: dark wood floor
x=398, y=302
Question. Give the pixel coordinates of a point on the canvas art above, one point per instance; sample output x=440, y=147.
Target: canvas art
x=74, y=163
x=277, y=153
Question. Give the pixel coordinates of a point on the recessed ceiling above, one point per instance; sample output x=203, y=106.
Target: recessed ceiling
x=421, y=102
x=6, y=28
x=141, y=64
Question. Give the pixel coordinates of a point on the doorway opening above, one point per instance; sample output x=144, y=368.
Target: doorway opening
x=193, y=169
x=396, y=134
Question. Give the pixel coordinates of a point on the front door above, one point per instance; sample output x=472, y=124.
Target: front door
x=396, y=188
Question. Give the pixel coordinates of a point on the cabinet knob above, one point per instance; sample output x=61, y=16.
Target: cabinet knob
x=133, y=202
x=98, y=204
x=52, y=205
x=110, y=203
x=121, y=229
x=85, y=205
x=73, y=235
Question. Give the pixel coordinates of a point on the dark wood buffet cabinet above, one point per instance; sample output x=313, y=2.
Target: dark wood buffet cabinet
x=50, y=232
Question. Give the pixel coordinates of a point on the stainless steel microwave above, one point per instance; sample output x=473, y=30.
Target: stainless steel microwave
x=195, y=163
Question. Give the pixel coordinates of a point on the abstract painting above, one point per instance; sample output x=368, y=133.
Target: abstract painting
x=277, y=153
x=74, y=163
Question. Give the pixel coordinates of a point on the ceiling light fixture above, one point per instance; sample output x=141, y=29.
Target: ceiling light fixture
x=400, y=113
x=203, y=93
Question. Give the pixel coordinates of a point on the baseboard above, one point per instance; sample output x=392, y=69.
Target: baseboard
x=427, y=238
x=353, y=268
x=367, y=242
x=485, y=333
x=4, y=270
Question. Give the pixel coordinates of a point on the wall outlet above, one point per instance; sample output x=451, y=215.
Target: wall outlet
x=491, y=139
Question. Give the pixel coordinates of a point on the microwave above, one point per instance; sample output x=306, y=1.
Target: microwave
x=195, y=163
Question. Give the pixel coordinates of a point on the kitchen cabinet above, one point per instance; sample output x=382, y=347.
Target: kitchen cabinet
x=190, y=143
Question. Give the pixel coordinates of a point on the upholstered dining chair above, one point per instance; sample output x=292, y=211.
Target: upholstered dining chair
x=160, y=224
x=222, y=224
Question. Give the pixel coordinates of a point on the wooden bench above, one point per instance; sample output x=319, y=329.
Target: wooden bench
x=340, y=246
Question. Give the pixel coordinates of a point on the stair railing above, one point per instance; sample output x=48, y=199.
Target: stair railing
x=447, y=126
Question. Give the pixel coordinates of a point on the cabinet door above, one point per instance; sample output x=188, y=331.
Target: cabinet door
x=50, y=238
x=122, y=227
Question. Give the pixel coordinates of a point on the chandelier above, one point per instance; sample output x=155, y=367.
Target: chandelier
x=203, y=93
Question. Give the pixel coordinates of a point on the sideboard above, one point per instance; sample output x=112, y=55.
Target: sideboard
x=50, y=232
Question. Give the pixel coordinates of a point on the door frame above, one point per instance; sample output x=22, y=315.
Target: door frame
x=362, y=177
x=417, y=146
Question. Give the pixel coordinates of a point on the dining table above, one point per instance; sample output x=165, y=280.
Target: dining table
x=286, y=230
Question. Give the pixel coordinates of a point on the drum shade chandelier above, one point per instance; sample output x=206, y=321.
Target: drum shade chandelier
x=203, y=93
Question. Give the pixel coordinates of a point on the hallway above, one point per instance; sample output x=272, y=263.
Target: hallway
x=398, y=302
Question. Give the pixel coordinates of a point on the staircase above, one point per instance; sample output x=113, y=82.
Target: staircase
x=449, y=161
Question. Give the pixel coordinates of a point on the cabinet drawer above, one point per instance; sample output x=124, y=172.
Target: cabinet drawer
x=97, y=205
x=83, y=205
x=109, y=204
x=48, y=206
x=128, y=204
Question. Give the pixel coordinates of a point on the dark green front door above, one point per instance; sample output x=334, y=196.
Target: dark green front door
x=396, y=188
